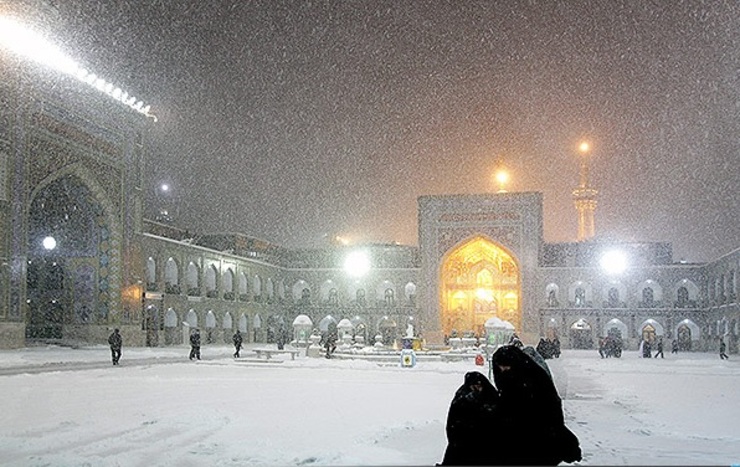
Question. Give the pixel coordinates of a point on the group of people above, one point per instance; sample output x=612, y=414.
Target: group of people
x=610, y=346
x=646, y=348
x=237, y=339
x=115, y=341
x=519, y=421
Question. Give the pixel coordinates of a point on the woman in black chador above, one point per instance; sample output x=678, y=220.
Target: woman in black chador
x=469, y=422
x=529, y=414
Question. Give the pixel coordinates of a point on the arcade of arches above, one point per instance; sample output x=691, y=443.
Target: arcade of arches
x=478, y=280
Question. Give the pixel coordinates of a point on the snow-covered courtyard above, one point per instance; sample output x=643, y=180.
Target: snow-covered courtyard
x=63, y=406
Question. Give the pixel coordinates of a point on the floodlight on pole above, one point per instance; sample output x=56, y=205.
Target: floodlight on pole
x=30, y=44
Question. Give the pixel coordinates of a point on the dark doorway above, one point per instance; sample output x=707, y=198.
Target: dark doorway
x=64, y=231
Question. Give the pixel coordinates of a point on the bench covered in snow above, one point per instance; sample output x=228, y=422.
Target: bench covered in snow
x=268, y=353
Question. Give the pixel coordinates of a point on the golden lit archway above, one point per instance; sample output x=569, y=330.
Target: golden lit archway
x=478, y=280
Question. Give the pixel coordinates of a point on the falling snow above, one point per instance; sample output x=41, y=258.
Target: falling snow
x=303, y=119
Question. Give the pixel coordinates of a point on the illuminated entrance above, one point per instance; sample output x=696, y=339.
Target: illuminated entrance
x=478, y=280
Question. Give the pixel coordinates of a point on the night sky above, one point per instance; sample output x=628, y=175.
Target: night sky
x=291, y=121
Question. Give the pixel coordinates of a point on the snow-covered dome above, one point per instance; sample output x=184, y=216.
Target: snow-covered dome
x=302, y=320
x=345, y=324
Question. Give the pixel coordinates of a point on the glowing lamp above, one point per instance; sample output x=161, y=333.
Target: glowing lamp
x=502, y=177
x=485, y=295
x=27, y=43
x=357, y=263
x=613, y=262
x=49, y=243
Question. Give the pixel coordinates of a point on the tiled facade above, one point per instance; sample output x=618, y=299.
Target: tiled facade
x=114, y=269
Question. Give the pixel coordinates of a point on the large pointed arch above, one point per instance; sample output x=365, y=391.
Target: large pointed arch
x=478, y=279
x=90, y=256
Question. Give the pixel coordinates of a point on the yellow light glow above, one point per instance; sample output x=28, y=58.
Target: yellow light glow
x=476, y=278
x=502, y=177
x=584, y=147
x=484, y=294
x=132, y=293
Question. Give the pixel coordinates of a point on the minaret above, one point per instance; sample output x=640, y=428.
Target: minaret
x=585, y=197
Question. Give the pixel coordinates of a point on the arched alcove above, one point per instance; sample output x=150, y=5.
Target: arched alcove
x=479, y=280
x=69, y=281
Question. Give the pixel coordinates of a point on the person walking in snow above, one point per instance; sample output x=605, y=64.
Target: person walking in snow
x=660, y=349
x=556, y=347
x=722, y=349
x=332, y=335
x=116, y=342
x=280, y=336
x=237, y=339
x=646, y=349
x=603, y=347
x=674, y=346
x=195, y=344
x=469, y=422
x=530, y=426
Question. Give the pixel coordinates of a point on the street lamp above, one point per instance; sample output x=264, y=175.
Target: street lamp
x=49, y=243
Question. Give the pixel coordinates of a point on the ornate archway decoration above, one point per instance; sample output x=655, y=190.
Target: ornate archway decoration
x=479, y=280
